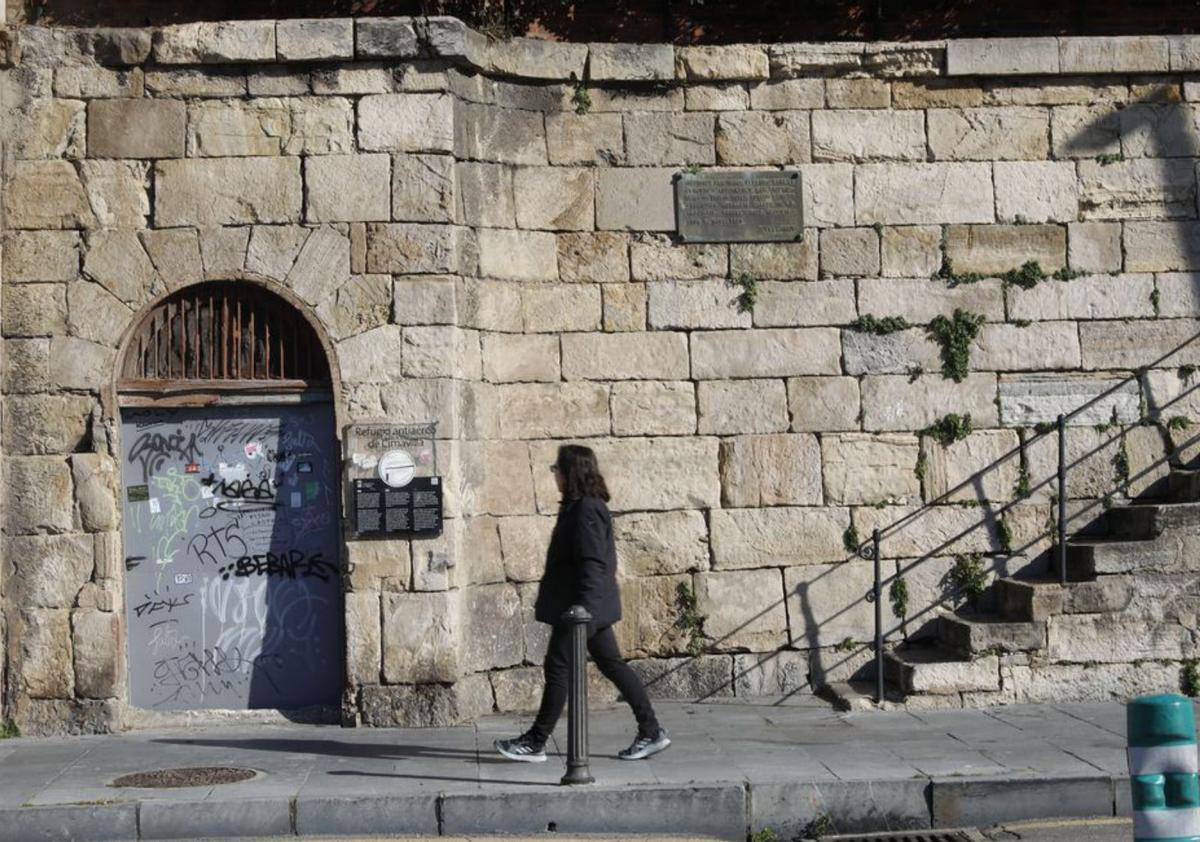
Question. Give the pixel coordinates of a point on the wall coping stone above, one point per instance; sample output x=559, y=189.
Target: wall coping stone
x=450, y=39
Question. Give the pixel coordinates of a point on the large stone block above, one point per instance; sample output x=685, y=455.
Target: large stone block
x=865, y=469
x=651, y=611
x=509, y=358
x=49, y=570
x=1089, y=637
x=420, y=635
x=770, y=470
x=390, y=37
x=625, y=307
x=95, y=640
x=1162, y=246
x=40, y=497
x=961, y=463
x=555, y=198
x=1113, y=54
x=759, y=138
x=488, y=133
x=46, y=194
x=828, y=603
x=919, y=301
x=370, y=356
x=823, y=404
x=720, y=97
x=584, y=138
x=1085, y=131
x=660, y=543
x=219, y=128
x=989, y=134
x=783, y=261
x=692, y=678
x=1035, y=347
x=441, y=351
x=409, y=248
x=1036, y=191
x=560, y=308
x=656, y=258
x=765, y=353
x=849, y=251
x=46, y=670
x=743, y=609
x=936, y=93
x=1159, y=131
x=913, y=251
x=41, y=256
x=627, y=356
x=742, y=406
x=1178, y=294
x=496, y=479
x=994, y=249
x=636, y=199
x=523, y=541
x=79, y=364
x=657, y=139
x=160, y=128
x=777, y=536
x=314, y=40
x=487, y=194
x=1140, y=188
x=694, y=304
x=914, y=194
x=559, y=410
x=213, y=43
x=197, y=81
x=1031, y=399
x=799, y=60
x=782, y=304
x=272, y=249
x=723, y=62
x=631, y=62
x=227, y=191
x=1133, y=344
x=595, y=257
x=118, y=261
x=903, y=352
x=35, y=310
x=322, y=266
x=653, y=408
x=51, y=128
x=26, y=366
x=349, y=188
x=939, y=530
x=406, y=123
x=1091, y=297
x=97, y=490
x=893, y=403
x=1001, y=56
x=364, y=637
x=686, y=469
x=518, y=255
x=868, y=135
x=491, y=628
x=424, y=705
x=787, y=94
x=175, y=253
x=1094, y=246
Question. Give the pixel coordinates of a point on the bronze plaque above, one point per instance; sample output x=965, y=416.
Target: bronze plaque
x=738, y=207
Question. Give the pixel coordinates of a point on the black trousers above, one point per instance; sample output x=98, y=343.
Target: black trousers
x=602, y=646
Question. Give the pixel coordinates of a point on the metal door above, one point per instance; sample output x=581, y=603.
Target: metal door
x=233, y=582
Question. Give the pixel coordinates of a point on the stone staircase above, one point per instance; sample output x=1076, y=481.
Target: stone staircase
x=1141, y=568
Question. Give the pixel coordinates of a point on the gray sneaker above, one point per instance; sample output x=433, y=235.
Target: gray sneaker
x=646, y=746
x=522, y=748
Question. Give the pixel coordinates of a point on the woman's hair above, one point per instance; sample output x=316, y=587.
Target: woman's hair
x=580, y=472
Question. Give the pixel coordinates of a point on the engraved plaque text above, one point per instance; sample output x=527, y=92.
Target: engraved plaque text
x=738, y=207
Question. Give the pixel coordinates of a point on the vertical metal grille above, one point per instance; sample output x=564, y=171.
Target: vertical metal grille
x=225, y=332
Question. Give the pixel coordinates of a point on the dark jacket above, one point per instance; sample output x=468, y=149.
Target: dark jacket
x=581, y=565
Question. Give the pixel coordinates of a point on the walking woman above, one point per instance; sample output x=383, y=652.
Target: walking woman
x=581, y=569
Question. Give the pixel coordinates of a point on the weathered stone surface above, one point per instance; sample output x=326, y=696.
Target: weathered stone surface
x=217, y=128
x=407, y=248
x=821, y=404
x=175, y=253
x=1036, y=191
x=800, y=60
x=278, y=80
x=757, y=138
x=656, y=258
x=828, y=603
x=913, y=251
x=653, y=408
x=725, y=62
x=850, y=251
x=787, y=95
x=425, y=188
x=223, y=250
x=272, y=249
x=406, y=123
x=722, y=97
x=524, y=540
x=1031, y=399
x=46, y=670
x=359, y=78
x=660, y=543
x=995, y=249
x=775, y=536
x=635, y=199
x=542, y=410
x=1088, y=637
x=785, y=261
x=492, y=625
x=41, y=256
x=959, y=464
x=914, y=194
x=362, y=303
x=121, y=46
x=1001, y=56
x=694, y=678
x=561, y=308
x=1085, y=131
x=35, y=310
x=1035, y=347
x=97, y=490
x=350, y=188
x=599, y=257
x=160, y=125
x=370, y=356
x=770, y=470
x=118, y=262
x=866, y=469
x=1179, y=295
x=658, y=139
x=554, y=198
x=364, y=637
x=314, y=40
x=625, y=307
x=988, y=134
x=694, y=304
x=1159, y=131
x=1131, y=344
x=939, y=530
x=95, y=636
x=801, y=305
x=386, y=38
x=651, y=612
x=1140, y=188
x=584, y=138
x=322, y=266
x=518, y=255
x=80, y=364
x=936, y=93
x=441, y=351
x=765, y=353
x=868, y=135
x=631, y=62
x=515, y=358
x=51, y=128
x=26, y=366
x=537, y=58
x=49, y=570
x=687, y=468
x=902, y=352
x=1162, y=246
x=211, y=43
x=893, y=403
x=1090, y=297
x=39, y=496
x=1094, y=246
x=1113, y=54
x=510, y=136
x=920, y=300
x=227, y=191
x=742, y=406
x=496, y=478
x=196, y=81
x=626, y=356
x=46, y=194
x=419, y=637
x=424, y=705
x=743, y=609
x=858, y=93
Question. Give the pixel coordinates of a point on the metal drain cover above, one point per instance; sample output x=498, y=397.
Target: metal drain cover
x=193, y=776
x=969, y=835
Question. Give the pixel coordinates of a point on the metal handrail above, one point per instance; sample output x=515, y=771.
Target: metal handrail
x=871, y=550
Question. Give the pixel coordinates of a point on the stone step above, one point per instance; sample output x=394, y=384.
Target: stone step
x=1183, y=485
x=978, y=634
x=1088, y=558
x=1029, y=600
x=939, y=671
x=1149, y=520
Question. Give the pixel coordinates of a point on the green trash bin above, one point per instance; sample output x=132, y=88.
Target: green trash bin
x=1162, y=769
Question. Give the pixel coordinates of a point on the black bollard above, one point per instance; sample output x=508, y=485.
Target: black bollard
x=577, y=617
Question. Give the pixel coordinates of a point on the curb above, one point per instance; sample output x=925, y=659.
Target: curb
x=729, y=811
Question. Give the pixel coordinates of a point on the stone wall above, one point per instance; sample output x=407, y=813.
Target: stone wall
x=497, y=217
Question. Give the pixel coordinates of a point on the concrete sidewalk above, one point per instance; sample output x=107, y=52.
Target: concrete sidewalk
x=734, y=768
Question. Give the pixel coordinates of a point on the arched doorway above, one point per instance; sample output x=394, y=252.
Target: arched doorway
x=230, y=492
